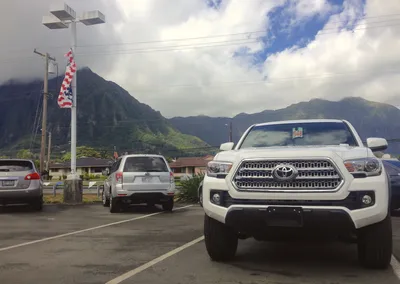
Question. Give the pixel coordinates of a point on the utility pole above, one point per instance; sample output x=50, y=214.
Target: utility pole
x=48, y=153
x=47, y=57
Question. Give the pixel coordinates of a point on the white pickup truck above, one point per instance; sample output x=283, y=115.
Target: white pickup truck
x=312, y=177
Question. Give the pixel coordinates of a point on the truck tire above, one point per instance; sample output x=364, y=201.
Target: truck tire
x=221, y=241
x=375, y=245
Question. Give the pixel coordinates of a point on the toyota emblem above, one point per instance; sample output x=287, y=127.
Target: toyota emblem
x=284, y=172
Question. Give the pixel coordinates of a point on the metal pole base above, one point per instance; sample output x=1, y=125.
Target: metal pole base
x=73, y=190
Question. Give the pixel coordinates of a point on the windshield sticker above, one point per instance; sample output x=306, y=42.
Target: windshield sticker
x=297, y=133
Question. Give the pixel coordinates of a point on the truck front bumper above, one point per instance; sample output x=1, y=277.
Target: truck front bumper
x=344, y=208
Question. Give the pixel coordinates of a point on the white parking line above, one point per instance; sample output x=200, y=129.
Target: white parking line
x=395, y=266
x=86, y=230
x=394, y=263
x=143, y=267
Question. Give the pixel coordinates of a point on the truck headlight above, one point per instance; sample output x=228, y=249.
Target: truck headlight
x=364, y=167
x=218, y=169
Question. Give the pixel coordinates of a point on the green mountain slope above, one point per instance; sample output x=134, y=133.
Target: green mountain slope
x=369, y=118
x=107, y=116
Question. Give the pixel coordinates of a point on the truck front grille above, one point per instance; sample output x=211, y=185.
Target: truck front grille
x=312, y=175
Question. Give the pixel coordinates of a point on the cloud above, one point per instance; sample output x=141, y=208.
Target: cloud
x=216, y=69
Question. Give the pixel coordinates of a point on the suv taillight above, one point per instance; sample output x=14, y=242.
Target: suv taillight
x=119, y=177
x=32, y=176
x=171, y=176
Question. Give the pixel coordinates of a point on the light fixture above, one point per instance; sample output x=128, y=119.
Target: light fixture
x=216, y=198
x=63, y=12
x=367, y=200
x=53, y=23
x=92, y=18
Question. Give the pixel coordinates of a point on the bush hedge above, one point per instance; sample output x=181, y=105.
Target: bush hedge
x=188, y=190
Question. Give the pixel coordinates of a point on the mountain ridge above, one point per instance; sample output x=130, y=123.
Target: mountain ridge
x=107, y=115
x=368, y=117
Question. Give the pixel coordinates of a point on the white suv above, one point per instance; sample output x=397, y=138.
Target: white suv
x=135, y=179
x=312, y=177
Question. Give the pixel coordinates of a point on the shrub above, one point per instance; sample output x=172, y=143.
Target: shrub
x=188, y=190
x=86, y=176
x=64, y=177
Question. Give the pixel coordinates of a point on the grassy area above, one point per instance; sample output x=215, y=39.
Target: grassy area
x=58, y=199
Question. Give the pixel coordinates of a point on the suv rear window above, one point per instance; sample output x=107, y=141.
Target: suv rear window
x=145, y=164
x=15, y=166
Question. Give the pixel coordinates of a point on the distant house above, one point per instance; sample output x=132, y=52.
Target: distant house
x=94, y=166
x=190, y=165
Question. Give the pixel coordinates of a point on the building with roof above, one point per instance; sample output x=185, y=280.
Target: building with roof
x=86, y=165
x=188, y=166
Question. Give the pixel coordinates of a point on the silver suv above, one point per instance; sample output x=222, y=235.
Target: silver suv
x=136, y=179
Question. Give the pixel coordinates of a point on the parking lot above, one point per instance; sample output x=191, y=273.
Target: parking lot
x=87, y=244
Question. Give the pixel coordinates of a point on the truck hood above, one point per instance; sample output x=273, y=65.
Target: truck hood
x=296, y=152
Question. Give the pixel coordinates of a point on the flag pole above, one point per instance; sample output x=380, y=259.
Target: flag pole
x=73, y=107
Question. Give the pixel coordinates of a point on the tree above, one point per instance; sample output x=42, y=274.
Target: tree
x=66, y=157
x=82, y=151
x=24, y=154
x=85, y=151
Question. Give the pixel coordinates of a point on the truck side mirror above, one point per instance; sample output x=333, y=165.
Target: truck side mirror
x=377, y=144
x=226, y=146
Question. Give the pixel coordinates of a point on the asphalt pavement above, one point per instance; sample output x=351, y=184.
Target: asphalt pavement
x=87, y=244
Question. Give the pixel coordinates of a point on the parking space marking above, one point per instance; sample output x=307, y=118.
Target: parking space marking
x=395, y=266
x=143, y=267
x=88, y=229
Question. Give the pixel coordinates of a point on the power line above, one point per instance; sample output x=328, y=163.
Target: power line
x=215, y=36
x=36, y=121
x=212, y=36
x=201, y=45
x=190, y=47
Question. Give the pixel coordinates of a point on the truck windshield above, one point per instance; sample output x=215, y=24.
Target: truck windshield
x=299, y=134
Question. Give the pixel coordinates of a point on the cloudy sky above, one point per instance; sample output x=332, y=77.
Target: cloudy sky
x=219, y=57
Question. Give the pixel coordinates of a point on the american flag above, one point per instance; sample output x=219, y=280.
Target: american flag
x=65, y=96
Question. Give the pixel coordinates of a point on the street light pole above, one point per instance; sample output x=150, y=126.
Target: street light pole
x=63, y=17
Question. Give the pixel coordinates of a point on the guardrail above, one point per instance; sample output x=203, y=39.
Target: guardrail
x=98, y=189
x=85, y=190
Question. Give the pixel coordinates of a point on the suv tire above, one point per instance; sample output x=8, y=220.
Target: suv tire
x=221, y=240
x=168, y=205
x=375, y=245
x=115, y=205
